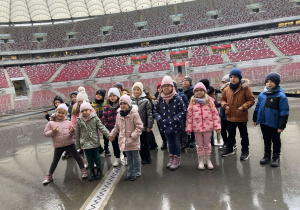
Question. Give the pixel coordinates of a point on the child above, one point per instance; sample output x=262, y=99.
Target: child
x=87, y=137
x=73, y=97
x=109, y=120
x=99, y=106
x=62, y=132
x=121, y=89
x=129, y=127
x=271, y=112
x=236, y=99
x=170, y=111
x=202, y=119
x=145, y=111
x=56, y=102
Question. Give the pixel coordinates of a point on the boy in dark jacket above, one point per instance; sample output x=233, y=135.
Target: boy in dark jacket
x=271, y=112
x=236, y=99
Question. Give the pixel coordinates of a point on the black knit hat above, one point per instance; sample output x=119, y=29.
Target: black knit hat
x=101, y=92
x=118, y=85
x=58, y=99
x=276, y=78
x=205, y=83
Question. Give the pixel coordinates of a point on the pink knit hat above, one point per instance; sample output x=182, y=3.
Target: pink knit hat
x=85, y=105
x=200, y=85
x=167, y=80
x=125, y=99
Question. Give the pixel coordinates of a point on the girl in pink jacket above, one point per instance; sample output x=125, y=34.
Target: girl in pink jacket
x=202, y=119
x=62, y=132
x=129, y=126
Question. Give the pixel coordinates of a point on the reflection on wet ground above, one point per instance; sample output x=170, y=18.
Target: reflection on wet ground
x=25, y=158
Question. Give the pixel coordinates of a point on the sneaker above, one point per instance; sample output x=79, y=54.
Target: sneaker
x=192, y=145
x=68, y=156
x=275, y=162
x=127, y=178
x=143, y=162
x=245, y=155
x=107, y=153
x=265, y=159
x=226, y=153
x=102, y=155
x=149, y=161
x=117, y=162
x=133, y=178
x=84, y=173
x=222, y=147
x=64, y=155
x=234, y=147
x=48, y=179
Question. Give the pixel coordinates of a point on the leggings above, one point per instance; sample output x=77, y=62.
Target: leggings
x=58, y=152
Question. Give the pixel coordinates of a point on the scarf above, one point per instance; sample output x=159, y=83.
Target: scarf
x=234, y=87
x=113, y=106
x=124, y=114
x=167, y=98
x=100, y=102
x=200, y=101
x=270, y=91
x=86, y=118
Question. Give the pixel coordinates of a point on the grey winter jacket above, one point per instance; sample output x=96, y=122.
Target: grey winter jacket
x=145, y=110
x=87, y=136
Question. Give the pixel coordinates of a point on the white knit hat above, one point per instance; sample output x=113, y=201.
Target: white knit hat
x=62, y=106
x=139, y=85
x=82, y=96
x=226, y=78
x=114, y=91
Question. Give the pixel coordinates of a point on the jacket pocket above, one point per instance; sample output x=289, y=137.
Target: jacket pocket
x=272, y=102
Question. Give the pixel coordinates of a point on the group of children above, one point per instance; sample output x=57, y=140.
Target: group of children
x=126, y=121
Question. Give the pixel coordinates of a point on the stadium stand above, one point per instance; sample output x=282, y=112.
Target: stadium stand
x=14, y=72
x=43, y=98
x=217, y=75
x=206, y=60
x=158, y=56
x=3, y=81
x=39, y=74
x=5, y=104
x=251, y=55
x=288, y=44
x=199, y=50
x=257, y=74
x=114, y=61
x=290, y=72
x=150, y=67
x=21, y=105
x=114, y=71
x=250, y=44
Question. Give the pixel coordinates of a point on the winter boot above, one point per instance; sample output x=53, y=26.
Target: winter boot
x=176, y=163
x=171, y=161
x=266, y=158
x=92, y=175
x=48, y=178
x=209, y=165
x=84, y=174
x=98, y=174
x=201, y=163
x=275, y=160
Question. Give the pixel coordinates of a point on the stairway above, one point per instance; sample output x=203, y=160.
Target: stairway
x=273, y=47
x=27, y=80
x=96, y=69
x=56, y=73
x=225, y=58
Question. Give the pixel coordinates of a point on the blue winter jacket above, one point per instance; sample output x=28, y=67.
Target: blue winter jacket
x=170, y=117
x=272, y=109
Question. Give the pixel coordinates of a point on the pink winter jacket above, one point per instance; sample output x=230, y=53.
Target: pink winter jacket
x=63, y=137
x=202, y=118
x=129, y=128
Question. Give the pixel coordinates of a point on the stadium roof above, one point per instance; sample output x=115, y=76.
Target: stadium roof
x=16, y=11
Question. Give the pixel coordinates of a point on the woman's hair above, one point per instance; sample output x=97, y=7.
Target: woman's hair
x=76, y=109
x=207, y=101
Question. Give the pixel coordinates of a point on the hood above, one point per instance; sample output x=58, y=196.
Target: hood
x=92, y=115
x=244, y=82
x=135, y=108
x=125, y=91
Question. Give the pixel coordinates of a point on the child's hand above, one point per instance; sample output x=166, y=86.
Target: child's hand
x=255, y=124
x=111, y=139
x=45, y=112
x=148, y=130
x=55, y=130
x=227, y=107
x=279, y=130
x=218, y=131
x=188, y=132
x=72, y=129
x=241, y=108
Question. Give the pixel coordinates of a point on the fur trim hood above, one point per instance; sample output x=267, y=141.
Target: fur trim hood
x=245, y=83
x=134, y=109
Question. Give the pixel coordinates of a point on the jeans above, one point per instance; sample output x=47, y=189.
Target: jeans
x=58, y=152
x=271, y=135
x=93, y=156
x=133, y=163
x=203, y=142
x=174, y=143
x=243, y=134
x=145, y=151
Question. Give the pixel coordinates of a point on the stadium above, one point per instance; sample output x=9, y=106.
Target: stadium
x=51, y=48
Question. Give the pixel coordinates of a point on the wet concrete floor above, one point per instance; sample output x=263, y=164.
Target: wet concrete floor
x=25, y=158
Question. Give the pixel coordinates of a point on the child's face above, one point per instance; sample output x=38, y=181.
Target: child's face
x=159, y=89
x=137, y=92
x=86, y=112
x=167, y=89
x=99, y=97
x=270, y=84
x=60, y=114
x=73, y=97
x=199, y=93
x=124, y=106
x=186, y=84
x=113, y=98
x=234, y=80
x=56, y=103
x=79, y=102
